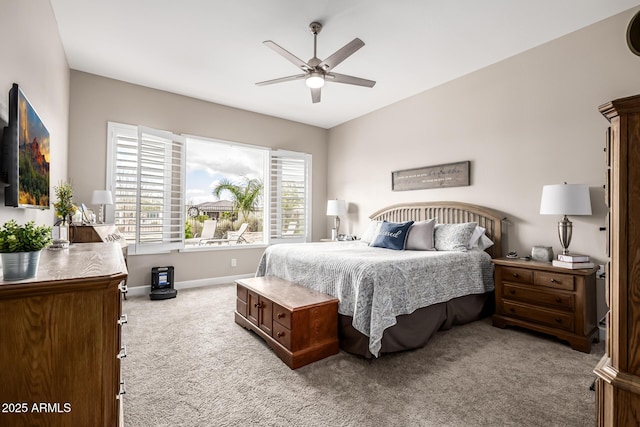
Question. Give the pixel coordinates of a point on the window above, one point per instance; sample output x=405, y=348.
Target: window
x=290, y=205
x=164, y=185
x=228, y=181
x=145, y=172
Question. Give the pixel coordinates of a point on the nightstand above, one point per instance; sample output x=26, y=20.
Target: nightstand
x=552, y=300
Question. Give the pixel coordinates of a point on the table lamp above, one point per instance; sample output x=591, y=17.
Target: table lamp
x=565, y=199
x=337, y=208
x=102, y=198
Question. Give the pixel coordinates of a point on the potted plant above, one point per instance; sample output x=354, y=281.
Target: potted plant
x=64, y=208
x=20, y=247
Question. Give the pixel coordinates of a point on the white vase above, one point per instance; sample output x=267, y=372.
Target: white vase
x=20, y=265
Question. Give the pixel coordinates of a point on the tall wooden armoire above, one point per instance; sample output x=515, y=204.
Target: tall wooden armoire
x=618, y=383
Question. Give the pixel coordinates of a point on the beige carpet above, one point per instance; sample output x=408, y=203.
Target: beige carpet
x=189, y=364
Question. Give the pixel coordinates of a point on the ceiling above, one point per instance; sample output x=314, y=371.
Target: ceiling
x=212, y=49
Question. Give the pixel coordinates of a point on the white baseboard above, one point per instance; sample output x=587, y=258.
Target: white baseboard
x=133, y=291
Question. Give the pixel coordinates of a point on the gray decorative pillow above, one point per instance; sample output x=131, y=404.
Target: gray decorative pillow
x=421, y=236
x=453, y=237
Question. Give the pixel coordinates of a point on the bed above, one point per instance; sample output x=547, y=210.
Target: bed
x=394, y=300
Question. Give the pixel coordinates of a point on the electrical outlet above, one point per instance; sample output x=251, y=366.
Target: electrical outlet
x=234, y=262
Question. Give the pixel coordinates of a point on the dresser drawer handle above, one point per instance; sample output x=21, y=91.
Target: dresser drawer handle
x=512, y=310
x=123, y=352
x=280, y=334
x=258, y=305
x=122, y=320
x=558, y=320
x=516, y=275
x=558, y=300
x=512, y=291
x=280, y=315
x=554, y=281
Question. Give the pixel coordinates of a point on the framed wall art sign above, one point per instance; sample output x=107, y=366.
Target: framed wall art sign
x=439, y=176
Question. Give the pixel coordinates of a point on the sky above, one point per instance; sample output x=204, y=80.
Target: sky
x=210, y=161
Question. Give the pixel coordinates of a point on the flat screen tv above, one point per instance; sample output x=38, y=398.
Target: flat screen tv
x=25, y=155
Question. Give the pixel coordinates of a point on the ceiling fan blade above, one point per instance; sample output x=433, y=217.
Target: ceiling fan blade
x=315, y=95
x=281, y=79
x=341, y=54
x=287, y=55
x=350, y=80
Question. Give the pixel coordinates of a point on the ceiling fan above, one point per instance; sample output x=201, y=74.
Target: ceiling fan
x=316, y=71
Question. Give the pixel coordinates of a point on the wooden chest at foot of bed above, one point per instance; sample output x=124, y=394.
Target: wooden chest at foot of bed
x=299, y=324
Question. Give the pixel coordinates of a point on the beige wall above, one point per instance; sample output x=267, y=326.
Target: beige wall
x=96, y=100
x=525, y=122
x=32, y=56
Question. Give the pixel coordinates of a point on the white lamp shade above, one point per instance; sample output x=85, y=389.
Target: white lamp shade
x=336, y=207
x=565, y=199
x=101, y=197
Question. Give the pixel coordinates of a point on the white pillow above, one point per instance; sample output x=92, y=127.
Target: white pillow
x=421, y=236
x=371, y=232
x=475, y=237
x=484, y=242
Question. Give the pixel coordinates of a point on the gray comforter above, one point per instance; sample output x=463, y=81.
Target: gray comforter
x=374, y=285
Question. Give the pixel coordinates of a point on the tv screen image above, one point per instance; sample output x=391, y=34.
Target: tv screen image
x=26, y=155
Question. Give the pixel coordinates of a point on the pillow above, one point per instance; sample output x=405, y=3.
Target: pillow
x=484, y=242
x=453, y=237
x=475, y=237
x=392, y=235
x=371, y=232
x=420, y=236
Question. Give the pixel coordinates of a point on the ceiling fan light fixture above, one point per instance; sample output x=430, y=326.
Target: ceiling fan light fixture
x=315, y=80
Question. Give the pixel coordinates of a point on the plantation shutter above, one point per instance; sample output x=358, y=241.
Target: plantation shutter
x=147, y=186
x=289, y=197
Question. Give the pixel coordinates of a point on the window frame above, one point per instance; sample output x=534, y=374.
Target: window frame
x=136, y=247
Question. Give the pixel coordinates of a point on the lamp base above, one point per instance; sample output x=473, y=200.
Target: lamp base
x=565, y=230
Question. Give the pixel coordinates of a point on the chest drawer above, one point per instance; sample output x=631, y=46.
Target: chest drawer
x=282, y=316
x=513, y=274
x=554, y=280
x=282, y=335
x=531, y=295
x=540, y=315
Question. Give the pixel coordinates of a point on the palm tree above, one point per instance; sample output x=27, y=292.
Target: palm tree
x=246, y=197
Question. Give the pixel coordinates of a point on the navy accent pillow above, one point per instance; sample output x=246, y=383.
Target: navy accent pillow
x=392, y=235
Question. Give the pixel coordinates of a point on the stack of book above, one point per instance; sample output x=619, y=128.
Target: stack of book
x=573, y=261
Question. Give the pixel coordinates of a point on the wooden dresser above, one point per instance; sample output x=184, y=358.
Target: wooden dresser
x=60, y=344
x=552, y=300
x=618, y=384
x=299, y=324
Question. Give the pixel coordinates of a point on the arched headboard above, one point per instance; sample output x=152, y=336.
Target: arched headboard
x=448, y=213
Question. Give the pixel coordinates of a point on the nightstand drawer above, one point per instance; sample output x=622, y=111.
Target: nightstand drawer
x=540, y=315
x=535, y=296
x=554, y=280
x=521, y=275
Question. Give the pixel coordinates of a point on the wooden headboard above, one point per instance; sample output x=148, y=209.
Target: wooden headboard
x=448, y=213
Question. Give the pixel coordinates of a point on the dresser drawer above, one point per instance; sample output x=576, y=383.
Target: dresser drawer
x=282, y=316
x=282, y=335
x=554, y=280
x=539, y=315
x=512, y=274
x=532, y=295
